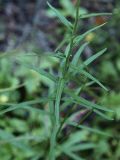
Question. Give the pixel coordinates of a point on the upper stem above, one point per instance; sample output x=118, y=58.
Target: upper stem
x=72, y=36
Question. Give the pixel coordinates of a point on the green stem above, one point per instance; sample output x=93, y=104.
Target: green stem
x=60, y=88
x=56, y=123
x=72, y=36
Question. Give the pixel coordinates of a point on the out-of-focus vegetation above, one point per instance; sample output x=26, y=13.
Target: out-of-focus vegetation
x=27, y=37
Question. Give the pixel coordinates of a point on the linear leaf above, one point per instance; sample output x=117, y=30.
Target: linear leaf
x=38, y=70
x=90, y=129
x=11, y=88
x=85, y=102
x=74, y=138
x=59, y=55
x=78, y=54
x=24, y=138
x=32, y=102
x=51, y=110
x=88, y=75
x=95, y=56
x=25, y=105
x=94, y=15
x=73, y=155
x=81, y=147
x=81, y=37
x=66, y=103
x=61, y=17
x=44, y=73
x=57, y=100
x=61, y=44
x=12, y=108
x=103, y=115
x=67, y=50
x=56, y=121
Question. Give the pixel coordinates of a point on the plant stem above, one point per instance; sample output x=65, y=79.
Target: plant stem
x=59, y=91
x=56, y=124
x=72, y=37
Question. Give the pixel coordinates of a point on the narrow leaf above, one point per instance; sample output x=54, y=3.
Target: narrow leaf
x=38, y=70
x=85, y=102
x=67, y=50
x=95, y=56
x=25, y=105
x=81, y=37
x=88, y=75
x=61, y=17
x=12, y=108
x=94, y=15
x=78, y=54
x=11, y=88
x=75, y=138
x=32, y=102
x=61, y=44
x=82, y=147
x=90, y=129
x=44, y=73
x=57, y=100
x=73, y=155
x=103, y=115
